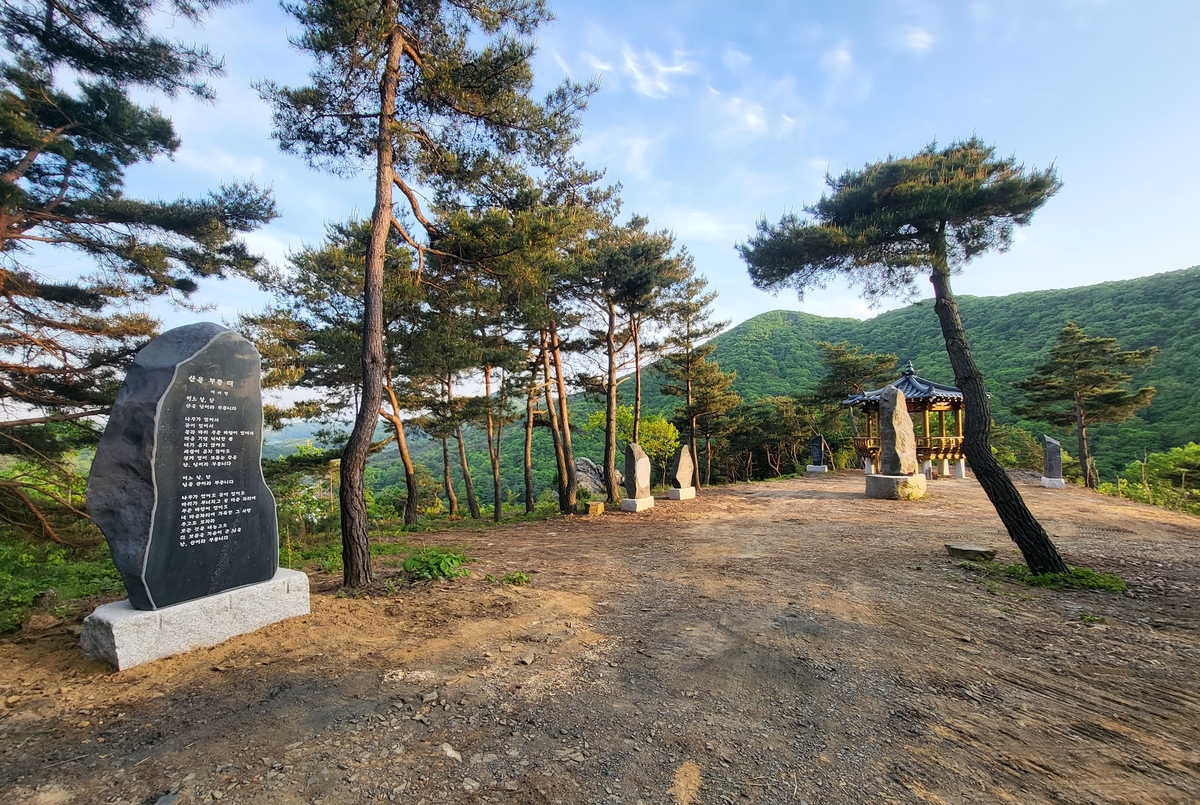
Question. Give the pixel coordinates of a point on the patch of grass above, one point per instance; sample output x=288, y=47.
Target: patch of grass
x=1078, y=577
x=436, y=563
x=1090, y=619
x=517, y=578
x=27, y=570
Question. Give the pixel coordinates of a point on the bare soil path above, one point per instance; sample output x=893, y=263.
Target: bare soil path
x=784, y=642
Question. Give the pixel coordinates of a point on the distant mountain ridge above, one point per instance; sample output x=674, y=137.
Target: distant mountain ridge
x=775, y=352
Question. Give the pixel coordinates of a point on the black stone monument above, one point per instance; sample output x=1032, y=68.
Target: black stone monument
x=817, y=447
x=177, y=485
x=1052, y=458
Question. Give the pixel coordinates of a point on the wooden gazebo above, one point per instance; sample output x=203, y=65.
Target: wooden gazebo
x=924, y=399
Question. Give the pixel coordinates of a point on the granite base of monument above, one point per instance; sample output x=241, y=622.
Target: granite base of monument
x=124, y=637
x=1054, y=483
x=816, y=468
x=896, y=487
x=682, y=493
x=636, y=504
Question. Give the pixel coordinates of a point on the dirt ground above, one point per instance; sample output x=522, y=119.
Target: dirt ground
x=783, y=642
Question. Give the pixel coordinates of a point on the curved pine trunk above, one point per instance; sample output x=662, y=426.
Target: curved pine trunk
x=447, y=481
x=356, y=550
x=530, y=499
x=468, y=484
x=1024, y=529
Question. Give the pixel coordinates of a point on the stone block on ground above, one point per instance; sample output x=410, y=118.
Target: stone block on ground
x=637, y=472
x=1054, y=483
x=636, y=504
x=594, y=508
x=897, y=441
x=896, y=487
x=683, y=469
x=817, y=468
x=683, y=493
x=971, y=553
x=126, y=637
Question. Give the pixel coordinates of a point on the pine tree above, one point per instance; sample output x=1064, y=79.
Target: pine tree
x=64, y=152
x=885, y=224
x=428, y=93
x=1084, y=383
x=687, y=347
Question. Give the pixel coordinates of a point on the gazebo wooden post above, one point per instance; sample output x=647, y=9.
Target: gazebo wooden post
x=961, y=470
x=927, y=465
x=944, y=472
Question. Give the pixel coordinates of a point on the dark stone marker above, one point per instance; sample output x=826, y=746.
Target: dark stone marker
x=177, y=485
x=1052, y=458
x=682, y=468
x=817, y=447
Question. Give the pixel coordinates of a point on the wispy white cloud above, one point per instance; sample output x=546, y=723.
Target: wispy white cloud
x=734, y=59
x=651, y=75
x=847, y=81
x=596, y=63
x=917, y=39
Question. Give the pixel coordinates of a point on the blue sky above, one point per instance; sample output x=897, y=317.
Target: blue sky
x=712, y=114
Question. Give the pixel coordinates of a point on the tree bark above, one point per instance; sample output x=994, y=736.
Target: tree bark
x=356, y=551
x=410, y=473
x=1024, y=529
x=468, y=484
x=635, y=327
x=555, y=435
x=564, y=421
x=1085, y=456
x=447, y=481
x=493, y=436
x=610, y=409
x=531, y=393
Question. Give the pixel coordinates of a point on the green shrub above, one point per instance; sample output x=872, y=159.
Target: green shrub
x=26, y=570
x=517, y=578
x=436, y=563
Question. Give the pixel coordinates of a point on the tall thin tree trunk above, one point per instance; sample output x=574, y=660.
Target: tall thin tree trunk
x=610, y=409
x=637, y=379
x=1024, y=529
x=1085, y=456
x=447, y=480
x=410, y=473
x=493, y=436
x=564, y=420
x=530, y=396
x=468, y=484
x=555, y=435
x=356, y=551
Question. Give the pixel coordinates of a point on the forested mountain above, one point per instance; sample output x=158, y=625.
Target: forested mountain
x=773, y=353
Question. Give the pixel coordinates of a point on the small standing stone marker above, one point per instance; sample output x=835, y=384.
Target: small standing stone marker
x=637, y=480
x=897, y=478
x=1052, y=477
x=681, y=473
x=177, y=488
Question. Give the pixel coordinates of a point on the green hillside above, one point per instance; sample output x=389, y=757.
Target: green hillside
x=773, y=353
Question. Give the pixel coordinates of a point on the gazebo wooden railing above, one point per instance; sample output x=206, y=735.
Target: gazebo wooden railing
x=929, y=448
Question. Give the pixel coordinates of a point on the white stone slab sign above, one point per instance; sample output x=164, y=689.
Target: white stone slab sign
x=176, y=485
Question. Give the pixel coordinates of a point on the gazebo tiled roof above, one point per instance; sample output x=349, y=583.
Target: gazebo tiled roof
x=913, y=387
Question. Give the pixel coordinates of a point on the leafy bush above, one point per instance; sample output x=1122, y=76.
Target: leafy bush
x=517, y=578
x=27, y=570
x=436, y=563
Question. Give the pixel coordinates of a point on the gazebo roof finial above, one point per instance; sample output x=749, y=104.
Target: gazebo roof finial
x=910, y=370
